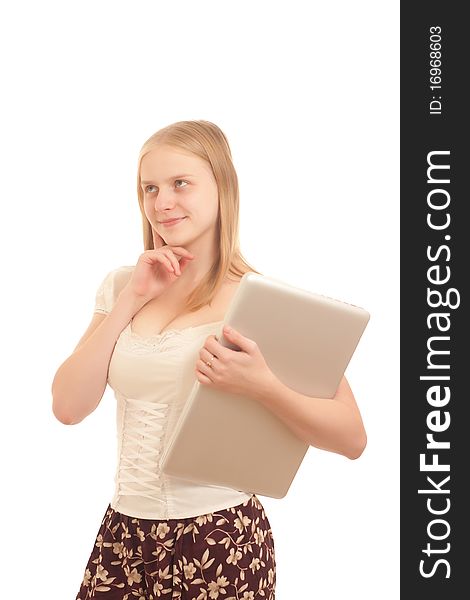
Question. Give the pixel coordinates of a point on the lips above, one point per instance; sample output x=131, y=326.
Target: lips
x=172, y=220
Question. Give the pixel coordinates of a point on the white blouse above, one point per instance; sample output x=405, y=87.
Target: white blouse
x=152, y=378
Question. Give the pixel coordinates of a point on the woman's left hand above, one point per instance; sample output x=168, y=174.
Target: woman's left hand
x=238, y=372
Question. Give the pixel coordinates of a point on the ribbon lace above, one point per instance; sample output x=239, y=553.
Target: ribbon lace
x=141, y=446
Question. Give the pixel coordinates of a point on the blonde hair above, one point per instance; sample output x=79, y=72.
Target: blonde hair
x=205, y=140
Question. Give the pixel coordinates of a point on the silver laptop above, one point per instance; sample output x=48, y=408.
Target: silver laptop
x=234, y=441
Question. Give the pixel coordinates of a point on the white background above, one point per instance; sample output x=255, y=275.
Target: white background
x=307, y=94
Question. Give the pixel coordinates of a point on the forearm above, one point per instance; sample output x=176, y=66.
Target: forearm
x=325, y=423
x=80, y=381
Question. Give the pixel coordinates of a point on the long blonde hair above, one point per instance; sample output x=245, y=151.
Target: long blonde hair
x=205, y=140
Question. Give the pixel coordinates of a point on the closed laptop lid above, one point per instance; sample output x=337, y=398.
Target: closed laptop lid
x=307, y=340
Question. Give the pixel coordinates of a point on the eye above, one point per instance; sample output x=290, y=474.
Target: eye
x=176, y=181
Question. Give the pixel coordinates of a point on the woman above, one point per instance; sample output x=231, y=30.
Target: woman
x=151, y=337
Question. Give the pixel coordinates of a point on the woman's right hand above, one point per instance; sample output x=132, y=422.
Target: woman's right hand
x=156, y=270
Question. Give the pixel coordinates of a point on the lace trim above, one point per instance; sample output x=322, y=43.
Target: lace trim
x=144, y=423
x=168, y=340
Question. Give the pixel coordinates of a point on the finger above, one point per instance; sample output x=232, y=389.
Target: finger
x=244, y=343
x=180, y=259
x=183, y=263
x=216, y=348
x=174, y=261
x=207, y=356
x=205, y=370
x=158, y=241
x=181, y=251
x=163, y=259
x=202, y=378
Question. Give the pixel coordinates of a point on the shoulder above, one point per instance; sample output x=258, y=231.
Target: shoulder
x=116, y=276
x=121, y=275
x=110, y=287
x=227, y=290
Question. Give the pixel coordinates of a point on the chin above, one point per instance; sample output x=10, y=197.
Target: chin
x=176, y=240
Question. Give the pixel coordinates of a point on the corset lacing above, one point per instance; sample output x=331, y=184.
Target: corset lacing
x=141, y=447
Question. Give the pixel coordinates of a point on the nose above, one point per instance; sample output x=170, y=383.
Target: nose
x=164, y=200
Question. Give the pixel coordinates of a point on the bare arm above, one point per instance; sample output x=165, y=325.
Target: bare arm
x=80, y=381
x=333, y=424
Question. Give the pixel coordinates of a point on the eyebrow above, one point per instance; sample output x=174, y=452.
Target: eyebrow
x=170, y=178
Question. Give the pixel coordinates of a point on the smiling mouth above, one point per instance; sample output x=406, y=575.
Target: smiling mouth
x=172, y=221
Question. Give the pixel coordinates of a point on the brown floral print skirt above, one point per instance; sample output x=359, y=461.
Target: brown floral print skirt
x=226, y=554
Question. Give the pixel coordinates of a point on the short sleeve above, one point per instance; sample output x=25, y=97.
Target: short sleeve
x=110, y=287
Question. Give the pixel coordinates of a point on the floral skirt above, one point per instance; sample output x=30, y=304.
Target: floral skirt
x=226, y=554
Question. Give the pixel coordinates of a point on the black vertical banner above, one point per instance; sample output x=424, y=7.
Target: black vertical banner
x=434, y=263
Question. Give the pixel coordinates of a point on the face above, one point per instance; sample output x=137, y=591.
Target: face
x=179, y=185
